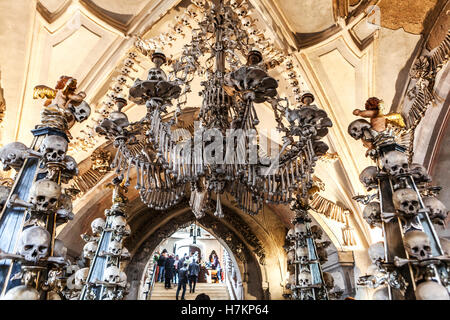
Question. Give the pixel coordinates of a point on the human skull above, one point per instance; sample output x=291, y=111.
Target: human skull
x=291, y=256
x=356, y=128
x=322, y=251
x=112, y=275
x=54, y=148
x=419, y=173
x=300, y=228
x=317, y=232
x=302, y=254
x=121, y=79
x=376, y=252
x=44, y=195
x=80, y=278
x=118, y=224
x=304, y=278
x=395, y=163
x=438, y=211
x=65, y=209
x=12, y=155
x=80, y=111
x=328, y=280
x=156, y=74
x=34, y=243
x=368, y=177
x=115, y=248
x=89, y=250
x=431, y=290
x=372, y=214
x=406, y=201
x=417, y=244
x=127, y=230
x=123, y=278
x=59, y=250
x=199, y=3
x=290, y=234
x=71, y=165
x=4, y=193
x=445, y=244
x=126, y=254
x=128, y=62
x=97, y=226
x=21, y=292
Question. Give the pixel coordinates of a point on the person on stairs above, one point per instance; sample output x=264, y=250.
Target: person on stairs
x=175, y=269
x=182, y=280
x=168, y=269
x=194, y=269
x=161, y=264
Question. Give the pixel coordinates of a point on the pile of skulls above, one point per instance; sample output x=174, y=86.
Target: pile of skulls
x=106, y=242
x=411, y=204
x=303, y=252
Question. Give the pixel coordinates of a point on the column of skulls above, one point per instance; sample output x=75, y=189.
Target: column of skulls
x=32, y=261
x=412, y=262
x=105, y=278
x=305, y=256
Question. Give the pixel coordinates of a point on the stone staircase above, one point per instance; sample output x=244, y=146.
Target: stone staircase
x=216, y=291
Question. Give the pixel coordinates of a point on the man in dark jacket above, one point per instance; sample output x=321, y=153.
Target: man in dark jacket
x=161, y=264
x=168, y=269
x=194, y=269
x=182, y=280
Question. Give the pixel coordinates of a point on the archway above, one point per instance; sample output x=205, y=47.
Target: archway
x=242, y=258
x=222, y=280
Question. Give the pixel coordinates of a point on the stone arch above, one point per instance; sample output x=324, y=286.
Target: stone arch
x=247, y=262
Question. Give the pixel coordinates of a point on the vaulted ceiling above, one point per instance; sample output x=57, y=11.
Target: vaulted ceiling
x=344, y=51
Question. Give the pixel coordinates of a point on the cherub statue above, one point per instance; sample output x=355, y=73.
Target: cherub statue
x=379, y=121
x=63, y=106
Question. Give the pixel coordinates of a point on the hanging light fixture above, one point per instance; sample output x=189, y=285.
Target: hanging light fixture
x=226, y=153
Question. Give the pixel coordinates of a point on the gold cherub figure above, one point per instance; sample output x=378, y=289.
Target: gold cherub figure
x=62, y=104
x=379, y=121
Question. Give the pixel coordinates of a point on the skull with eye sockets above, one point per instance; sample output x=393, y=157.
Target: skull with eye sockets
x=368, y=177
x=438, y=211
x=406, y=202
x=395, y=163
x=54, y=148
x=44, y=195
x=156, y=74
x=34, y=244
x=372, y=214
x=89, y=250
x=356, y=128
x=417, y=244
x=97, y=226
x=80, y=111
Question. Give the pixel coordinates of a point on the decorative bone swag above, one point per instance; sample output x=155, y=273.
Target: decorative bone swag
x=405, y=206
x=38, y=203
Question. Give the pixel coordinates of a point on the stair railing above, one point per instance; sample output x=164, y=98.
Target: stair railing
x=151, y=280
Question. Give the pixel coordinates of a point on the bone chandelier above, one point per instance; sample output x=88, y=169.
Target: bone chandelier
x=226, y=152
